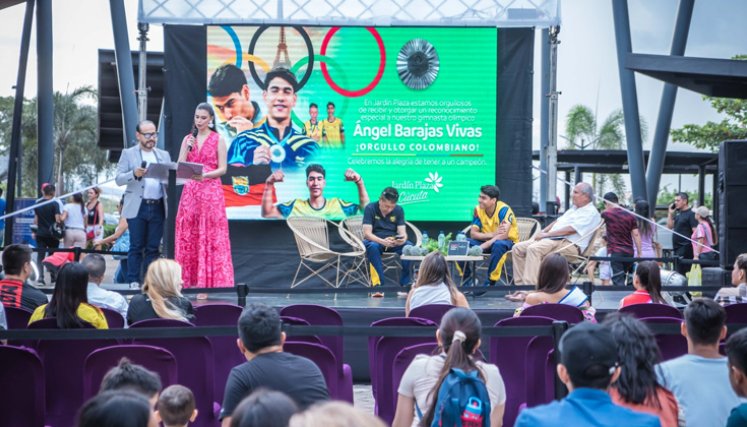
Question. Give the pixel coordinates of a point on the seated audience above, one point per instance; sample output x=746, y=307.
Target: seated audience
x=69, y=303
x=264, y=408
x=700, y=379
x=121, y=243
x=588, y=366
x=131, y=377
x=117, y=409
x=637, y=387
x=268, y=366
x=458, y=339
x=736, y=352
x=176, y=406
x=335, y=414
x=96, y=266
x=647, y=284
x=3, y=319
x=434, y=285
x=161, y=297
x=14, y=291
x=738, y=293
x=554, y=275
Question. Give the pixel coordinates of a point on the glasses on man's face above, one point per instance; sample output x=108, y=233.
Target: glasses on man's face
x=151, y=135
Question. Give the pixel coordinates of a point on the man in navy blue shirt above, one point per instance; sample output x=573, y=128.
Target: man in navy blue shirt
x=588, y=365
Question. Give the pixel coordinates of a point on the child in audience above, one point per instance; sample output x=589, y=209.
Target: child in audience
x=120, y=408
x=736, y=352
x=434, y=285
x=334, y=414
x=263, y=408
x=129, y=376
x=605, y=270
x=647, y=284
x=176, y=406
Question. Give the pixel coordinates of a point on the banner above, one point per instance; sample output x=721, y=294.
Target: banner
x=410, y=108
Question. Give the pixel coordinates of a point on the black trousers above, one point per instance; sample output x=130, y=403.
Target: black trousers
x=620, y=270
x=44, y=243
x=686, y=252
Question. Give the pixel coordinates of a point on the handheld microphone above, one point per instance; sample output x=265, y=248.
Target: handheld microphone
x=194, y=135
x=143, y=165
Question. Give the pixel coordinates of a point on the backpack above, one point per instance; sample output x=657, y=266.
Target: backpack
x=462, y=401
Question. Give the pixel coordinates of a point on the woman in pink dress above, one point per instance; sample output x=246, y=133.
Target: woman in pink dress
x=202, y=245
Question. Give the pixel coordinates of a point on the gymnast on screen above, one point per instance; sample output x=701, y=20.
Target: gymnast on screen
x=332, y=208
x=275, y=142
x=231, y=97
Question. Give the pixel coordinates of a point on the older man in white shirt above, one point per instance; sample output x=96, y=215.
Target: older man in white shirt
x=96, y=266
x=568, y=235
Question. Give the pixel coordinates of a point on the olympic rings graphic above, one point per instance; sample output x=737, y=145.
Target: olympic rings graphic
x=379, y=74
x=309, y=48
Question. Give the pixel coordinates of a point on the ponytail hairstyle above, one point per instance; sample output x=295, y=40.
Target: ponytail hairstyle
x=162, y=281
x=714, y=232
x=460, y=335
x=78, y=198
x=650, y=277
x=434, y=270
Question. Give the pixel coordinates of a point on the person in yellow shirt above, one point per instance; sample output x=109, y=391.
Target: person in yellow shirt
x=312, y=128
x=333, y=133
x=69, y=303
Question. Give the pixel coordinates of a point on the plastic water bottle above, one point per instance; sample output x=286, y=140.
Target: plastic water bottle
x=441, y=240
x=472, y=415
x=425, y=238
x=461, y=237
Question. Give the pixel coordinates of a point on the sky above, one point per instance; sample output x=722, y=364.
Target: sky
x=587, y=61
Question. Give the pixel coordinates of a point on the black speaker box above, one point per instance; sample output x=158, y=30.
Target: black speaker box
x=732, y=187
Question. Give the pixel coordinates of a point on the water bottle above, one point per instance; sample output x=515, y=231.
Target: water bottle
x=461, y=237
x=472, y=415
x=425, y=238
x=441, y=240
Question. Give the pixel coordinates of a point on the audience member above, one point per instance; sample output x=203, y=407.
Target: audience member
x=335, y=414
x=569, y=234
x=700, y=379
x=117, y=409
x=682, y=220
x=736, y=352
x=161, y=297
x=121, y=243
x=737, y=293
x=434, y=285
x=650, y=247
x=261, y=342
x=54, y=263
x=647, y=284
x=588, y=366
x=45, y=217
x=264, y=408
x=3, y=320
x=176, y=406
x=127, y=376
x=554, y=275
x=96, y=266
x=458, y=339
x=622, y=237
x=637, y=387
x=605, y=270
x=705, y=236
x=14, y=291
x=69, y=304
x=73, y=215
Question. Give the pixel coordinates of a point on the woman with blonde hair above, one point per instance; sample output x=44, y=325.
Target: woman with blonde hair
x=434, y=285
x=161, y=297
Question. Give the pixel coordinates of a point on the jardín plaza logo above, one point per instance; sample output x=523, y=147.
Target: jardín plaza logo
x=419, y=191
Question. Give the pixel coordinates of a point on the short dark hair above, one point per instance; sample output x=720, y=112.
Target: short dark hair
x=705, y=320
x=330, y=104
x=115, y=409
x=264, y=408
x=491, y=191
x=226, y=79
x=95, y=264
x=282, y=73
x=129, y=376
x=313, y=105
x=683, y=195
x=48, y=189
x=390, y=194
x=140, y=124
x=736, y=350
x=176, y=404
x=259, y=327
x=316, y=167
x=611, y=197
x=15, y=256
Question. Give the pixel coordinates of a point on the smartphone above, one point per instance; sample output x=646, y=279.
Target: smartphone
x=400, y=237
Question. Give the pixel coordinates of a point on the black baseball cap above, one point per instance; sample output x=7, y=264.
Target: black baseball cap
x=589, y=352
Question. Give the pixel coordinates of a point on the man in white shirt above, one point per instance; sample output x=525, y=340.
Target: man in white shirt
x=568, y=235
x=96, y=266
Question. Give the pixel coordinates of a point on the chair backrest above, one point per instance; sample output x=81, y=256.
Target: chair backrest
x=113, y=318
x=321, y=316
x=219, y=314
x=100, y=361
x=540, y=371
x=324, y=359
x=22, y=382
x=642, y=311
x=415, y=232
x=160, y=323
x=290, y=320
x=564, y=312
x=432, y=312
x=596, y=236
x=670, y=345
x=528, y=227
x=736, y=313
x=402, y=361
x=311, y=234
x=18, y=318
x=51, y=323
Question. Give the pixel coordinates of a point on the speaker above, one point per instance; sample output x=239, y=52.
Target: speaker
x=732, y=187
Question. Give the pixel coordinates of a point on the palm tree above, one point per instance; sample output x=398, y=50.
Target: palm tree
x=75, y=127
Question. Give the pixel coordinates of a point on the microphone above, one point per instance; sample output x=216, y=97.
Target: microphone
x=143, y=165
x=194, y=135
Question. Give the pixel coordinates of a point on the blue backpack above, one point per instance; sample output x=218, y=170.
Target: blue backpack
x=462, y=401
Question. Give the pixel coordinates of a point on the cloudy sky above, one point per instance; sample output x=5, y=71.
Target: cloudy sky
x=587, y=62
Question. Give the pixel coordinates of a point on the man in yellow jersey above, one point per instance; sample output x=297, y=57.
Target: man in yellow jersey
x=312, y=128
x=333, y=134
x=332, y=208
x=494, y=229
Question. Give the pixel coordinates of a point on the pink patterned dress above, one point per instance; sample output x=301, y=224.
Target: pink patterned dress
x=202, y=245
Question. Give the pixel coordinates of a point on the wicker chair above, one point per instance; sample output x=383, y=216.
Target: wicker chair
x=579, y=262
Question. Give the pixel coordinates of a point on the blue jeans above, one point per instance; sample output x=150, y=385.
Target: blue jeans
x=146, y=232
x=120, y=276
x=373, y=253
x=496, y=251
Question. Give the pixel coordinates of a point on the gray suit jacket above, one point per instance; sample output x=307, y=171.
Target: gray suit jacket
x=130, y=159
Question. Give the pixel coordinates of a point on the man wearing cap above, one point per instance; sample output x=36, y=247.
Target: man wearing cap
x=622, y=233
x=588, y=365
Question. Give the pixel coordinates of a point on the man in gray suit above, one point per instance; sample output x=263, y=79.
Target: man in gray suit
x=144, y=200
